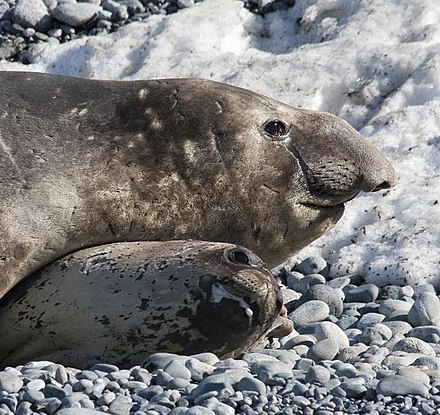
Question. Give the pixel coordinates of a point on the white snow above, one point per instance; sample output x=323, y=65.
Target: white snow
x=375, y=63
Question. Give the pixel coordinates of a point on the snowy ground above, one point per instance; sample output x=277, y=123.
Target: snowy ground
x=374, y=63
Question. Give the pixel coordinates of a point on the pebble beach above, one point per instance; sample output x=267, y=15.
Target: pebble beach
x=364, y=298
x=355, y=349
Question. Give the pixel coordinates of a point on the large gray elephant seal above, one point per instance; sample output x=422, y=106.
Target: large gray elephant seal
x=124, y=301
x=87, y=162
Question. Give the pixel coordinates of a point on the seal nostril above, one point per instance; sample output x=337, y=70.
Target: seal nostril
x=382, y=186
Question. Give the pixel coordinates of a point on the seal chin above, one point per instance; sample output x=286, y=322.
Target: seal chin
x=329, y=211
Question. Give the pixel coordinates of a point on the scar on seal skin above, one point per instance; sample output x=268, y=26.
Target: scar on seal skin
x=87, y=162
x=124, y=301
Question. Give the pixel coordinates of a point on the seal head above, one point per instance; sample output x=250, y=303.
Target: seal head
x=122, y=302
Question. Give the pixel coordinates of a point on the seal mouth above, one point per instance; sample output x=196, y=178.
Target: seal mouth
x=328, y=208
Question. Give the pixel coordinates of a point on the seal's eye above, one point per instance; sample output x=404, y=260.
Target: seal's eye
x=241, y=257
x=276, y=128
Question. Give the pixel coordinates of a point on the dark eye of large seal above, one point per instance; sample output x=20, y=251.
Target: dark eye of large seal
x=276, y=128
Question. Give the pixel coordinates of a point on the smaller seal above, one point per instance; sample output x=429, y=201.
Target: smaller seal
x=121, y=302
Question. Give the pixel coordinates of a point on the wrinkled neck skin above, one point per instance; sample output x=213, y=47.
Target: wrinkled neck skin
x=92, y=162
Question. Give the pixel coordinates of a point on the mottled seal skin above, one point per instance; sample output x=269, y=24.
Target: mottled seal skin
x=119, y=303
x=88, y=162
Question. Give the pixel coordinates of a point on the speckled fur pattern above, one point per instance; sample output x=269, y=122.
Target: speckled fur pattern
x=124, y=301
x=87, y=162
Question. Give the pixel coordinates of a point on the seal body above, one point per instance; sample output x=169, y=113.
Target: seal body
x=86, y=162
x=121, y=302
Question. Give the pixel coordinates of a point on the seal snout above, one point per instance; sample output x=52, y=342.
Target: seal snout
x=340, y=163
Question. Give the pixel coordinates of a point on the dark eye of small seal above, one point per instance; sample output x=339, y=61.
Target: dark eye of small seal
x=276, y=128
x=240, y=257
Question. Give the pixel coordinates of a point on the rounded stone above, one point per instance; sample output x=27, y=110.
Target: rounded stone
x=398, y=327
x=289, y=357
x=293, y=278
x=328, y=330
x=106, y=398
x=348, y=353
x=395, y=385
x=121, y=405
x=347, y=322
x=75, y=14
x=251, y=384
x=177, y=370
x=370, y=335
x=199, y=410
x=289, y=295
x=353, y=387
x=366, y=293
x=10, y=382
x=432, y=363
x=412, y=372
x=339, y=282
x=54, y=391
x=326, y=349
x=207, y=357
x=391, y=307
x=79, y=411
x=395, y=362
x=304, y=364
x=304, y=284
x=176, y=411
x=413, y=345
x=142, y=375
x=313, y=265
x=369, y=319
x=104, y=367
x=406, y=291
x=160, y=360
x=429, y=334
x=256, y=357
x=301, y=339
x=384, y=331
x=345, y=369
x=317, y=374
x=331, y=296
x=198, y=369
x=219, y=382
x=36, y=384
x=32, y=14
x=183, y=4
x=220, y=408
x=310, y=312
x=231, y=364
x=268, y=369
x=425, y=311
x=133, y=6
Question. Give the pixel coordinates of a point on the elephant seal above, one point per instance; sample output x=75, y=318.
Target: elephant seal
x=124, y=301
x=87, y=162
